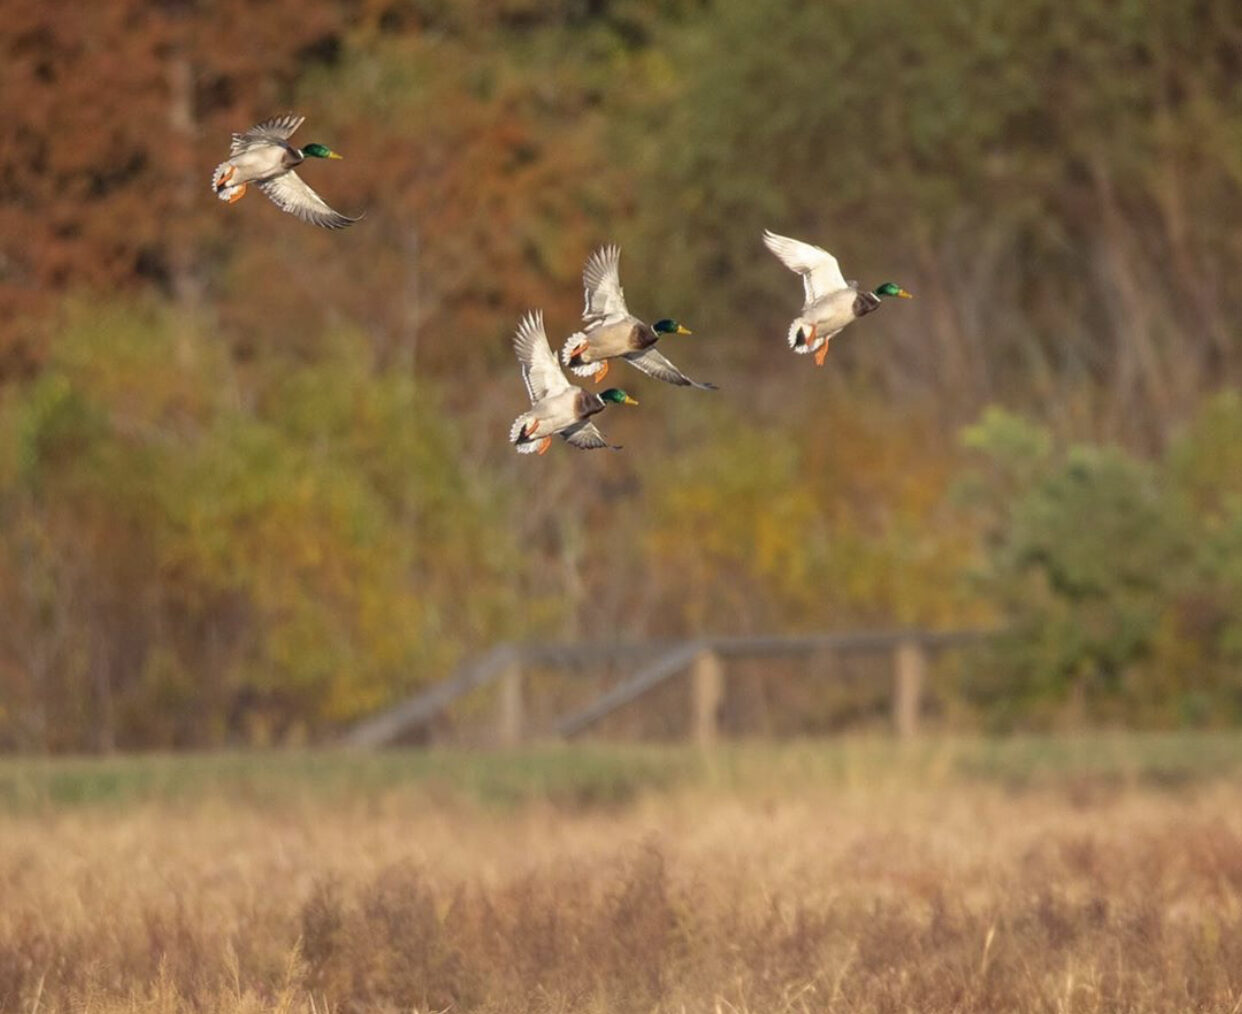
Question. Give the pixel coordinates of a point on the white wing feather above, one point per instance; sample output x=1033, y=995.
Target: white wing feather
x=601, y=283
x=821, y=274
x=290, y=193
x=273, y=131
x=540, y=370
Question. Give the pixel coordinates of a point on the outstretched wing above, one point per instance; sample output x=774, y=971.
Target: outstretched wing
x=290, y=193
x=654, y=364
x=540, y=369
x=601, y=282
x=587, y=438
x=821, y=274
x=273, y=131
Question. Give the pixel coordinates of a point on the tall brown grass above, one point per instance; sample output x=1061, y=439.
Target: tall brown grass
x=922, y=893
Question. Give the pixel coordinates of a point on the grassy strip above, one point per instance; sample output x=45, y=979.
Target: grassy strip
x=603, y=775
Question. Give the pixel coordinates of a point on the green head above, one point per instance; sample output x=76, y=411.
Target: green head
x=316, y=150
x=668, y=326
x=893, y=289
x=615, y=394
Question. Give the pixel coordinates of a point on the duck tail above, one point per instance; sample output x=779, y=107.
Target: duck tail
x=798, y=331
x=575, y=363
x=523, y=444
x=226, y=191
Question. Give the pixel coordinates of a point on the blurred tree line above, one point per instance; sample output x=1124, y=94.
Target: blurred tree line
x=253, y=477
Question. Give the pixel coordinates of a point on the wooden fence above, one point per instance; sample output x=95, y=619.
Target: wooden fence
x=701, y=661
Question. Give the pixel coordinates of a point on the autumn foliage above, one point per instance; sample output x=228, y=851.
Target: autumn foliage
x=253, y=477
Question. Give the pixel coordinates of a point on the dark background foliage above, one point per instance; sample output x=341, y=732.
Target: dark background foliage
x=253, y=480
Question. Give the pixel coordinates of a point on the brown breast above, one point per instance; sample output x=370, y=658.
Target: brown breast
x=587, y=404
x=865, y=303
x=642, y=337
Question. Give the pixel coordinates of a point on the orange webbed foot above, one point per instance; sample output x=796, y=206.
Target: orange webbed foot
x=602, y=372
x=577, y=350
x=239, y=195
x=529, y=429
x=225, y=176
x=821, y=354
x=544, y=444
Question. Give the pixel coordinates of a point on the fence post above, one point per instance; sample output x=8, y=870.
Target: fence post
x=909, y=673
x=510, y=717
x=706, y=696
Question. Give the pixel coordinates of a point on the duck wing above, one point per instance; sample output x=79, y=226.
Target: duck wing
x=821, y=274
x=540, y=370
x=277, y=130
x=601, y=283
x=290, y=193
x=588, y=438
x=656, y=364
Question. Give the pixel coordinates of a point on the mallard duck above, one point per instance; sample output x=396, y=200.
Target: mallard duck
x=557, y=407
x=612, y=332
x=831, y=301
x=263, y=156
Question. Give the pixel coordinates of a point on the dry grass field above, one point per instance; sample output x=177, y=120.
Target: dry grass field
x=1094, y=874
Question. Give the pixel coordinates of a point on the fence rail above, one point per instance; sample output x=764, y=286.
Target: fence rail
x=701, y=659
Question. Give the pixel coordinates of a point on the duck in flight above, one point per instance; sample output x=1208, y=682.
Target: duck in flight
x=263, y=156
x=610, y=331
x=831, y=302
x=557, y=407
